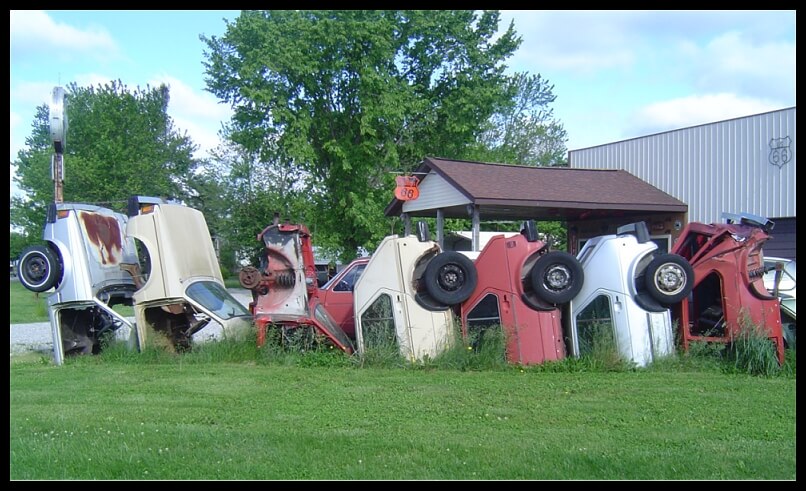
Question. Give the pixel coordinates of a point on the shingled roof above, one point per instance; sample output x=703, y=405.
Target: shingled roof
x=555, y=193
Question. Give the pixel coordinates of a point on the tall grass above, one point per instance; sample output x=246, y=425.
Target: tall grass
x=752, y=351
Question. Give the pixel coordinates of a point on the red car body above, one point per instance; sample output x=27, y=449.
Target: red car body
x=510, y=295
x=284, y=288
x=729, y=289
x=337, y=295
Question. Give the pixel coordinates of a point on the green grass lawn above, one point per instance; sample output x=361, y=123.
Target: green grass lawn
x=230, y=410
x=26, y=306
x=233, y=411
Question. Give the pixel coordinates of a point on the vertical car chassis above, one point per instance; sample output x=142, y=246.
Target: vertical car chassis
x=284, y=288
x=729, y=293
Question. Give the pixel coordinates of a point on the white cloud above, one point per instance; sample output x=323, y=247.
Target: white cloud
x=581, y=41
x=191, y=103
x=732, y=62
x=693, y=111
x=34, y=32
x=196, y=112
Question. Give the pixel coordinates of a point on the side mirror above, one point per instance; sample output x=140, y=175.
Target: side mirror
x=423, y=234
x=530, y=230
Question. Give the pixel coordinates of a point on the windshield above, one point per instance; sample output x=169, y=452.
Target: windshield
x=216, y=299
x=788, y=275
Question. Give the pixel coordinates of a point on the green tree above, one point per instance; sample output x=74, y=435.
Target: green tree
x=18, y=242
x=347, y=96
x=240, y=194
x=523, y=131
x=120, y=142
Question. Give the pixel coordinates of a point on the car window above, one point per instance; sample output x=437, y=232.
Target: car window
x=378, y=325
x=595, y=327
x=347, y=282
x=788, y=275
x=216, y=299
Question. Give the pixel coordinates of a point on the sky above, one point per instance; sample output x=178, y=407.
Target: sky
x=616, y=75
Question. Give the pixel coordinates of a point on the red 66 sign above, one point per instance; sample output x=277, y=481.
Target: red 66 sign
x=406, y=189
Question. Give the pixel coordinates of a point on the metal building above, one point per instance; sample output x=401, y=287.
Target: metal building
x=738, y=165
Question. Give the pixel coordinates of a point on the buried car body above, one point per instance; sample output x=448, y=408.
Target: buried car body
x=405, y=294
x=180, y=288
x=285, y=292
x=629, y=288
x=85, y=246
x=729, y=293
x=522, y=285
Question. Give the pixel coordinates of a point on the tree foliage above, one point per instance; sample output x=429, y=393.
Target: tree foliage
x=523, y=131
x=240, y=194
x=120, y=142
x=345, y=97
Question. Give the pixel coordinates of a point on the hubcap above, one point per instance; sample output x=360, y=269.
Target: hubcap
x=557, y=277
x=670, y=279
x=36, y=269
x=451, y=277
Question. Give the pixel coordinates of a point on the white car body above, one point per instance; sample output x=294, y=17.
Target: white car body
x=786, y=292
x=183, y=291
x=609, y=295
x=385, y=300
x=91, y=245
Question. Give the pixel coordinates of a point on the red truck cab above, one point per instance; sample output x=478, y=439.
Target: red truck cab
x=521, y=287
x=729, y=290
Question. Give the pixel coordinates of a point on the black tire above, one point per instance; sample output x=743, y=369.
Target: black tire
x=557, y=277
x=39, y=268
x=669, y=278
x=450, y=278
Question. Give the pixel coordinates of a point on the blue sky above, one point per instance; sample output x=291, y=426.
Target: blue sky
x=616, y=74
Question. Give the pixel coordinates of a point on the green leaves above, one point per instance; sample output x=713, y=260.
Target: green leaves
x=120, y=142
x=348, y=95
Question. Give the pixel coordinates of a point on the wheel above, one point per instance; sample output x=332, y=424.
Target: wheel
x=249, y=277
x=557, y=277
x=450, y=278
x=39, y=268
x=669, y=278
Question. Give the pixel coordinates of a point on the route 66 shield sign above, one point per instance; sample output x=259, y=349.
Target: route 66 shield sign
x=780, y=151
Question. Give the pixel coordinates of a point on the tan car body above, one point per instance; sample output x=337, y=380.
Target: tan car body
x=182, y=289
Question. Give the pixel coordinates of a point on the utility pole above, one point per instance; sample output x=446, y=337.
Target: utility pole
x=58, y=132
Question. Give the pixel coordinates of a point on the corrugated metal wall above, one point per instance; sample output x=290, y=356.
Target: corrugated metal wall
x=738, y=165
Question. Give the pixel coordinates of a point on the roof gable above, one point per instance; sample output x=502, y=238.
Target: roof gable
x=514, y=191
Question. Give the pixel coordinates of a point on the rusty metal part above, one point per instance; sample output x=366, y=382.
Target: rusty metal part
x=285, y=279
x=249, y=277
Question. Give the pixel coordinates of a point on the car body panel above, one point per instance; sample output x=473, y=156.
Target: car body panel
x=729, y=289
x=337, y=295
x=285, y=289
x=386, y=299
x=532, y=335
x=91, y=244
x=609, y=297
x=182, y=291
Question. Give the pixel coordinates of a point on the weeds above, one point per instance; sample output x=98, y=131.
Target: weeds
x=482, y=349
x=752, y=351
